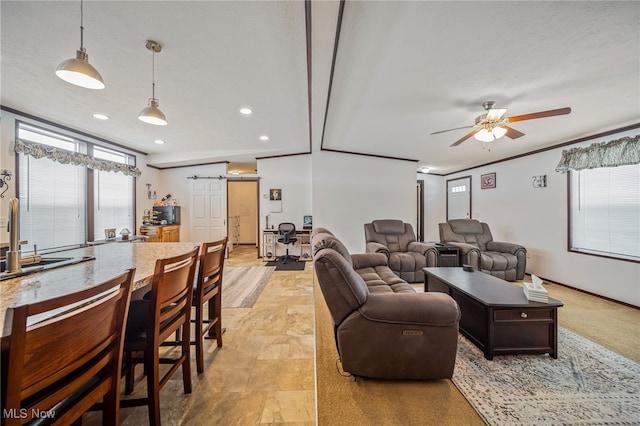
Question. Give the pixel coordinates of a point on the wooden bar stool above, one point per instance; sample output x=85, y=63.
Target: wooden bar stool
x=209, y=290
x=61, y=366
x=151, y=321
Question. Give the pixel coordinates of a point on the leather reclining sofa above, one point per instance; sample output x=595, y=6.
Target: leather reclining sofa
x=383, y=327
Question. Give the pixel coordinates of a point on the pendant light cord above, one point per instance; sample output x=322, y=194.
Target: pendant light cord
x=81, y=27
x=153, y=73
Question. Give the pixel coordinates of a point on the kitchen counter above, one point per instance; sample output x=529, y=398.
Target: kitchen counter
x=110, y=260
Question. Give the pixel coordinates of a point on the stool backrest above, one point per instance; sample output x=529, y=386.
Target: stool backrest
x=65, y=363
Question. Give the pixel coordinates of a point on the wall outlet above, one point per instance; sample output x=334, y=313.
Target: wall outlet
x=3, y=222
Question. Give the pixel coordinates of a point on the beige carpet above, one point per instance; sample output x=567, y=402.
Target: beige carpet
x=243, y=284
x=340, y=401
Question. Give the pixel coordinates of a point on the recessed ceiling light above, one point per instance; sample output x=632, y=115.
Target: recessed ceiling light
x=264, y=138
x=101, y=116
x=159, y=141
x=245, y=111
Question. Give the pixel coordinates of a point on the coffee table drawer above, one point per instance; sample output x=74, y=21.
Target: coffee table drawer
x=523, y=314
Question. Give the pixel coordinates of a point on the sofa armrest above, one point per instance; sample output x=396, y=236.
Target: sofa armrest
x=422, y=248
x=503, y=247
x=368, y=260
x=373, y=247
x=431, y=309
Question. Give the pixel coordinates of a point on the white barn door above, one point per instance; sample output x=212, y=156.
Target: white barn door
x=208, y=202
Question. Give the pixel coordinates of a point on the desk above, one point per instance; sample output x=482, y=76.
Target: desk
x=110, y=260
x=270, y=244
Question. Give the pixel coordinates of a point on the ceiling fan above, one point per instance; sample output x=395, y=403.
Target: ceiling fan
x=492, y=125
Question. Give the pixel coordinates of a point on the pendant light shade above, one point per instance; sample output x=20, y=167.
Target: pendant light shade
x=78, y=71
x=152, y=113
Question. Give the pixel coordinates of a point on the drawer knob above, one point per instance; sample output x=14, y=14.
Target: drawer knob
x=523, y=315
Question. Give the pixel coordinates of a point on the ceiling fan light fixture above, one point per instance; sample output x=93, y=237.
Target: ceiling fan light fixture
x=499, y=132
x=78, y=71
x=152, y=114
x=484, y=135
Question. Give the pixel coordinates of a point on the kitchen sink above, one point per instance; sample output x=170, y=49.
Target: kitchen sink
x=44, y=264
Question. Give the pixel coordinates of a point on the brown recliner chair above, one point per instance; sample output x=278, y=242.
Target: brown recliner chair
x=396, y=240
x=383, y=327
x=477, y=248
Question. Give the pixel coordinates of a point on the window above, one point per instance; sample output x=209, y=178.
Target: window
x=111, y=208
x=55, y=198
x=605, y=211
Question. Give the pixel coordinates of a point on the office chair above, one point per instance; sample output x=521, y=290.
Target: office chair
x=287, y=236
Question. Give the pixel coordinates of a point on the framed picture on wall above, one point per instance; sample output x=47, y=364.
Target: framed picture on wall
x=275, y=194
x=488, y=181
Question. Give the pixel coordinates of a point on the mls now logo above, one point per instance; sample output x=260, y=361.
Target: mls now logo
x=23, y=413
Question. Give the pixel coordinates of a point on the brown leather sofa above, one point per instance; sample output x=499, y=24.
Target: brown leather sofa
x=383, y=327
x=396, y=240
x=477, y=248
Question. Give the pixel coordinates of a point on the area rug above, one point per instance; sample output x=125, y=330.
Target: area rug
x=289, y=266
x=586, y=385
x=241, y=285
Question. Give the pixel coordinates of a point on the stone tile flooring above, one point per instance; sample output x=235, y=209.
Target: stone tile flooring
x=263, y=374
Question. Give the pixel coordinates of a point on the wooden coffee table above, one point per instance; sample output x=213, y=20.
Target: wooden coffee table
x=496, y=315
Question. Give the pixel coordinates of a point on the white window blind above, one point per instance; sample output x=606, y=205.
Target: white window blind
x=605, y=211
x=52, y=196
x=113, y=206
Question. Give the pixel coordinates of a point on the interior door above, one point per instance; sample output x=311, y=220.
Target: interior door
x=208, y=202
x=459, y=198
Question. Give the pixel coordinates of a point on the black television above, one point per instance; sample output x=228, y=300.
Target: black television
x=306, y=222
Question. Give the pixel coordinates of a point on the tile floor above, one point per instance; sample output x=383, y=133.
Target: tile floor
x=263, y=374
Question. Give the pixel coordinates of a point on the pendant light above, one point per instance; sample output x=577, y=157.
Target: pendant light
x=152, y=113
x=78, y=70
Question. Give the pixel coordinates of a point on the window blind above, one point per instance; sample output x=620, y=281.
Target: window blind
x=605, y=211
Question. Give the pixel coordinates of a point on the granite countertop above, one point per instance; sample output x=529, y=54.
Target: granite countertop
x=110, y=260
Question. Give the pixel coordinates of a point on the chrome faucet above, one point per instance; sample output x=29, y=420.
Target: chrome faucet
x=14, y=256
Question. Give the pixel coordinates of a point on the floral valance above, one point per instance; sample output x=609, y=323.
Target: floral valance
x=619, y=152
x=63, y=156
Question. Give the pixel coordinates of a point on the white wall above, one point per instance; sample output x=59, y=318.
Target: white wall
x=351, y=190
x=537, y=219
x=293, y=176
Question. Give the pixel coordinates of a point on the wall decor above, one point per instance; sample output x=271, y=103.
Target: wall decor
x=488, y=181
x=275, y=194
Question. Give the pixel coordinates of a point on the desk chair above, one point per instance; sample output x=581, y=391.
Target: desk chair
x=65, y=364
x=287, y=236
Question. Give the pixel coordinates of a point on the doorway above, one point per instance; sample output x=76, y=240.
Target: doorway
x=459, y=198
x=242, y=208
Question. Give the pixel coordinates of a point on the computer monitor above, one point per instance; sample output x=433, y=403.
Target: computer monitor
x=306, y=222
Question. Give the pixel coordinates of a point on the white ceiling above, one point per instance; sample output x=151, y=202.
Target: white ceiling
x=403, y=70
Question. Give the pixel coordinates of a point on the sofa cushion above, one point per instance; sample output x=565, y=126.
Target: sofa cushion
x=381, y=279
x=466, y=226
x=389, y=226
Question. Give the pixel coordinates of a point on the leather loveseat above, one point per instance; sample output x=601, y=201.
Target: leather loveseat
x=383, y=327
x=396, y=240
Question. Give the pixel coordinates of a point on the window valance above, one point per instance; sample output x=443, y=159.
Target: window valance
x=619, y=152
x=63, y=156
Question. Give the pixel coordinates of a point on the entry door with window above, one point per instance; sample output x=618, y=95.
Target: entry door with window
x=208, y=205
x=459, y=198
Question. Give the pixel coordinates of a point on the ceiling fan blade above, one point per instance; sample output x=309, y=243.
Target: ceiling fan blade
x=448, y=130
x=512, y=133
x=465, y=137
x=541, y=114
